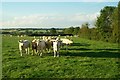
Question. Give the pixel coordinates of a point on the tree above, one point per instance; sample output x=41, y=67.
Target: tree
x=104, y=22
x=28, y=32
x=84, y=31
x=76, y=29
x=94, y=34
x=119, y=21
x=53, y=31
x=47, y=31
x=69, y=30
x=116, y=24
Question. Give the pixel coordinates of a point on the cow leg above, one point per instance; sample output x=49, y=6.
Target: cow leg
x=32, y=51
x=35, y=51
x=21, y=52
x=58, y=54
x=54, y=53
x=28, y=50
x=41, y=52
x=49, y=50
x=46, y=49
x=38, y=52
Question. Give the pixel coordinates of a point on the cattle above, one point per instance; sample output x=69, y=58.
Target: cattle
x=66, y=41
x=56, y=47
x=24, y=46
x=49, y=44
x=34, y=46
x=44, y=38
x=21, y=36
x=41, y=46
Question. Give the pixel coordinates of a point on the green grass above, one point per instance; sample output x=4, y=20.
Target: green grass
x=83, y=59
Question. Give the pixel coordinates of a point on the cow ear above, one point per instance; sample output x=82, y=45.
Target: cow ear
x=19, y=41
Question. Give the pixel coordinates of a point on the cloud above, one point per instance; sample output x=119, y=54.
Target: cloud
x=85, y=17
x=50, y=20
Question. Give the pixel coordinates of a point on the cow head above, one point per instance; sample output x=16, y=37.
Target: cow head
x=20, y=43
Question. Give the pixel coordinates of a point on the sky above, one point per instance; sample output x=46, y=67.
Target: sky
x=50, y=14
x=59, y=0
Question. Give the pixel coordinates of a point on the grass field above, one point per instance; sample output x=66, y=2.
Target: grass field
x=83, y=59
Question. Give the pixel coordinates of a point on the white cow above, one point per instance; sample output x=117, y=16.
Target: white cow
x=66, y=41
x=56, y=47
x=24, y=46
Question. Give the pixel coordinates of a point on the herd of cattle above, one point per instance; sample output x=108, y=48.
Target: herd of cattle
x=40, y=46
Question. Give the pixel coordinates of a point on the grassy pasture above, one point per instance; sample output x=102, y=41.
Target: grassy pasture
x=83, y=59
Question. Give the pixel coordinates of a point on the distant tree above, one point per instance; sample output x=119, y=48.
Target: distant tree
x=66, y=31
x=53, y=31
x=28, y=32
x=69, y=30
x=47, y=31
x=76, y=29
x=84, y=31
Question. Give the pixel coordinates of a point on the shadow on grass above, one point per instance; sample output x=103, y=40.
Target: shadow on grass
x=109, y=49
x=103, y=54
x=86, y=49
x=80, y=49
x=80, y=44
x=117, y=76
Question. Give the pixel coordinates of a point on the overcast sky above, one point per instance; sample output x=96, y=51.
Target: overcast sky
x=50, y=14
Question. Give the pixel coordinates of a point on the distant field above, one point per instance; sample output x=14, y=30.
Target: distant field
x=83, y=59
